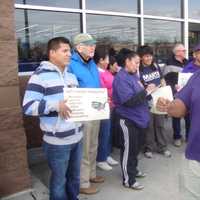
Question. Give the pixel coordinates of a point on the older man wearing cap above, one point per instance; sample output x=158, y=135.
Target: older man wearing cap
x=84, y=68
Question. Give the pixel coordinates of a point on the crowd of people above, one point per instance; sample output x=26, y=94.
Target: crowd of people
x=75, y=150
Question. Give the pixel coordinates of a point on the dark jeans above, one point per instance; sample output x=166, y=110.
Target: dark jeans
x=64, y=162
x=104, y=145
x=176, y=124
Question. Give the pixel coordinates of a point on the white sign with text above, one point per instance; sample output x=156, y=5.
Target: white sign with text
x=87, y=103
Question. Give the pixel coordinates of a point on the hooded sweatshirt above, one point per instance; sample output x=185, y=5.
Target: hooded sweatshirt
x=42, y=96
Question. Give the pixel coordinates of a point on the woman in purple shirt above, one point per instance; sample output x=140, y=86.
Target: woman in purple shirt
x=132, y=112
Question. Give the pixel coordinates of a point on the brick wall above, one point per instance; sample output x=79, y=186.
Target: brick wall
x=14, y=175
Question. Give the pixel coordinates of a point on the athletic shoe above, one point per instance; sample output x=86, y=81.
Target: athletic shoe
x=104, y=166
x=111, y=161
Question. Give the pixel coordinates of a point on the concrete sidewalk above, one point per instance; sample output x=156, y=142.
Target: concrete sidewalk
x=161, y=183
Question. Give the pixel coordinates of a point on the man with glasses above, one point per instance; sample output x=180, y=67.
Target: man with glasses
x=174, y=65
x=84, y=68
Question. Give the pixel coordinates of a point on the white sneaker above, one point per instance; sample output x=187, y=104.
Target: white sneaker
x=104, y=166
x=148, y=154
x=135, y=186
x=111, y=161
x=141, y=174
x=167, y=153
x=177, y=142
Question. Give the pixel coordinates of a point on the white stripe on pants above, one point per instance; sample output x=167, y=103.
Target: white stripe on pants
x=126, y=151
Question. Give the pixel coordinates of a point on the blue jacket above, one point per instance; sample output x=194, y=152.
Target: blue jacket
x=42, y=96
x=86, y=72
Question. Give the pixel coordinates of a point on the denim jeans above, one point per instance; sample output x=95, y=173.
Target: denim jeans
x=64, y=162
x=176, y=124
x=104, y=146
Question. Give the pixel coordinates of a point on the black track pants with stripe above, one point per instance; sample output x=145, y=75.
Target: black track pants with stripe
x=129, y=150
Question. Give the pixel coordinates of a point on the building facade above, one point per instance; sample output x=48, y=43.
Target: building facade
x=121, y=23
x=26, y=27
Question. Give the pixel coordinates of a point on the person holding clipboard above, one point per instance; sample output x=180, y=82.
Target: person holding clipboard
x=155, y=137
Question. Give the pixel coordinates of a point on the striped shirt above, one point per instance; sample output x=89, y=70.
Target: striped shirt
x=42, y=96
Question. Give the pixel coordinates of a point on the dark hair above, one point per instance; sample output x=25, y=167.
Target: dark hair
x=112, y=51
x=143, y=50
x=100, y=53
x=125, y=54
x=54, y=43
x=112, y=60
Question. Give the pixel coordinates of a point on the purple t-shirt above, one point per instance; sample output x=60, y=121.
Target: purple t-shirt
x=125, y=86
x=190, y=67
x=190, y=95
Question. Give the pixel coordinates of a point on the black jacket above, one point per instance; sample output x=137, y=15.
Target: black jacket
x=171, y=78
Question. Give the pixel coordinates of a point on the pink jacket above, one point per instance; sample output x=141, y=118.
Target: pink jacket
x=106, y=79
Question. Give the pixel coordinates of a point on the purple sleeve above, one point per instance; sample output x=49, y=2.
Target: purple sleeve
x=185, y=69
x=185, y=94
x=124, y=91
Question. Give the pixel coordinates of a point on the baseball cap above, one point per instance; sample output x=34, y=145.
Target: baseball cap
x=197, y=47
x=84, y=38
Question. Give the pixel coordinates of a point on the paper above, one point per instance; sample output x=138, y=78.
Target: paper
x=165, y=92
x=87, y=103
x=183, y=79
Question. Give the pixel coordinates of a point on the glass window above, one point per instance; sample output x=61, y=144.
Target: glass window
x=35, y=28
x=169, y=8
x=194, y=9
x=162, y=35
x=117, y=32
x=57, y=3
x=113, y=5
x=194, y=36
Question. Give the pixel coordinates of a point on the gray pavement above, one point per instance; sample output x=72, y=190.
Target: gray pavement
x=161, y=183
